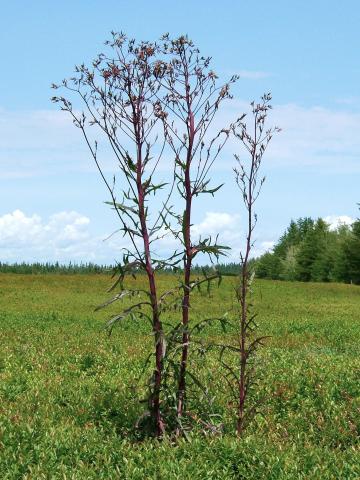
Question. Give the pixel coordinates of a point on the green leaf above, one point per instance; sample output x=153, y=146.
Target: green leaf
x=122, y=207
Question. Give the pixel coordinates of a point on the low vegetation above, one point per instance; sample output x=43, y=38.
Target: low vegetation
x=67, y=406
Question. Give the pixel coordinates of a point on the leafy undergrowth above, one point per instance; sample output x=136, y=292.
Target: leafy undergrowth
x=68, y=400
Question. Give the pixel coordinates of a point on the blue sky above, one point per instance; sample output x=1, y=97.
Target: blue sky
x=305, y=53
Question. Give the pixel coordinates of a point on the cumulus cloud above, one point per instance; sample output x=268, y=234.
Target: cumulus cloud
x=66, y=236
x=215, y=222
x=231, y=233
x=267, y=245
x=336, y=221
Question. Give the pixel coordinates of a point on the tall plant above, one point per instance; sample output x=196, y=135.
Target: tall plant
x=125, y=97
x=238, y=357
x=192, y=100
x=119, y=95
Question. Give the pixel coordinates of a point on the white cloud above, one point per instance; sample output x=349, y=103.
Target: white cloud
x=66, y=236
x=336, y=221
x=215, y=222
x=17, y=230
x=226, y=225
x=268, y=245
x=231, y=233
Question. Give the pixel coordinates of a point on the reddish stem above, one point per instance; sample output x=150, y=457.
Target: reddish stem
x=157, y=325
x=187, y=268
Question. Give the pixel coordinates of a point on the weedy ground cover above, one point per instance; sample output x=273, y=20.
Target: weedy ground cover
x=67, y=405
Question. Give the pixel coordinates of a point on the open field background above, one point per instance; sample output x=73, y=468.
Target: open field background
x=66, y=408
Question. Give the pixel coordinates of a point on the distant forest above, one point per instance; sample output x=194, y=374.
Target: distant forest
x=308, y=251
x=89, y=268
x=48, y=267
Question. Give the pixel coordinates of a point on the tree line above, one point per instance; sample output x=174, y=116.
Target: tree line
x=72, y=268
x=27, y=268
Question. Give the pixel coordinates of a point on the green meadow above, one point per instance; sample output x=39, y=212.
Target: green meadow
x=67, y=389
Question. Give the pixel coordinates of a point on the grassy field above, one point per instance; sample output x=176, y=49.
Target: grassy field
x=67, y=407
